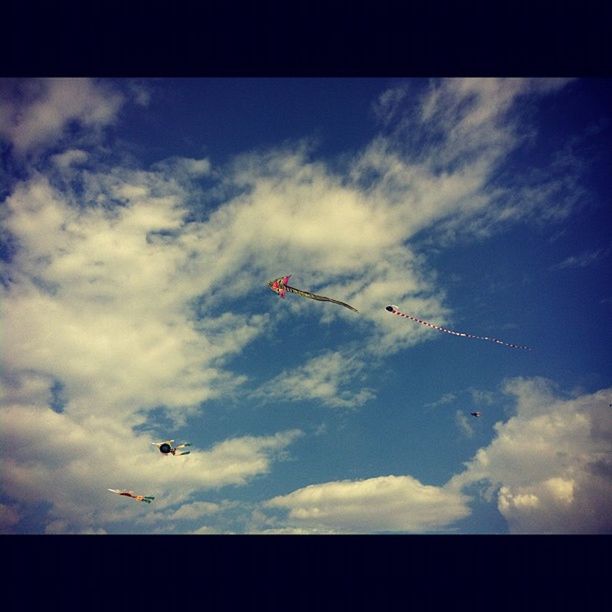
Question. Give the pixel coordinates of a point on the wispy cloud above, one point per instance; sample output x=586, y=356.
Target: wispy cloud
x=329, y=378
x=389, y=103
x=463, y=423
x=447, y=398
x=583, y=260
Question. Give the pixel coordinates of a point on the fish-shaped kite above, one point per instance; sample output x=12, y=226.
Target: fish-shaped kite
x=280, y=286
x=396, y=311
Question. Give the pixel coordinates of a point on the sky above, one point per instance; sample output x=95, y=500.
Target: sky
x=141, y=221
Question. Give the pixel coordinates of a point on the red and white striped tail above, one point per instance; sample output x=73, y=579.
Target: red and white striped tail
x=396, y=311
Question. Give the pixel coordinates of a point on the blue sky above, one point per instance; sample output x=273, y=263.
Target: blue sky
x=141, y=221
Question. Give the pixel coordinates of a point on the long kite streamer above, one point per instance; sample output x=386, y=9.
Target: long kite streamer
x=396, y=311
x=280, y=286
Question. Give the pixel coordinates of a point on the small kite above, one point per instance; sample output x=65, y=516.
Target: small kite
x=166, y=448
x=396, y=311
x=141, y=498
x=280, y=286
x=475, y=414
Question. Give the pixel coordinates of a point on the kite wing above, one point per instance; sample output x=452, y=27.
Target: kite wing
x=280, y=286
x=396, y=311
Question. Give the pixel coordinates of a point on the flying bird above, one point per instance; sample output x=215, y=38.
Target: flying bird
x=280, y=286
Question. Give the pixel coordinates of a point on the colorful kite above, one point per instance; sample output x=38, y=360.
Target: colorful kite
x=280, y=286
x=141, y=498
x=396, y=311
x=166, y=448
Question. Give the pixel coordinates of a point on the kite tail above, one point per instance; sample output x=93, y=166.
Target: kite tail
x=320, y=298
x=396, y=311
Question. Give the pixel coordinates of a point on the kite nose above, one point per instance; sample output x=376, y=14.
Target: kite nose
x=391, y=308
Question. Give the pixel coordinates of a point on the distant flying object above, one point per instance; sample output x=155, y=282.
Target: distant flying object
x=141, y=498
x=475, y=414
x=166, y=448
x=280, y=286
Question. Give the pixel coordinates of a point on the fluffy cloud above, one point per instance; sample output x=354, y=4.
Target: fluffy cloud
x=98, y=288
x=548, y=466
x=36, y=112
x=70, y=462
x=386, y=503
x=195, y=510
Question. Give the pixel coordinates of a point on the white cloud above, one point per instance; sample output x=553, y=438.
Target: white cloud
x=70, y=157
x=548, y=465
x=36, y=112
x=385, y=503
x=195, y=510
x=70, y=462
x=327, y=378
x=92, y=286
x=447, y=398
x=205, y=530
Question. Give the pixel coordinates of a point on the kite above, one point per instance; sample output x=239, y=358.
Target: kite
x=141, y=498
x=396, y=311
x=166, y=448
x=280, y=286
x=475, y=414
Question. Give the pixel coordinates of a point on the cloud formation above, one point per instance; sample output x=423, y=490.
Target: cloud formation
x=548, y=466
x=328, y=378
x=385, y=503
x=34, y=113
x=582, y=260
x=70, y=462
x=124, y=289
